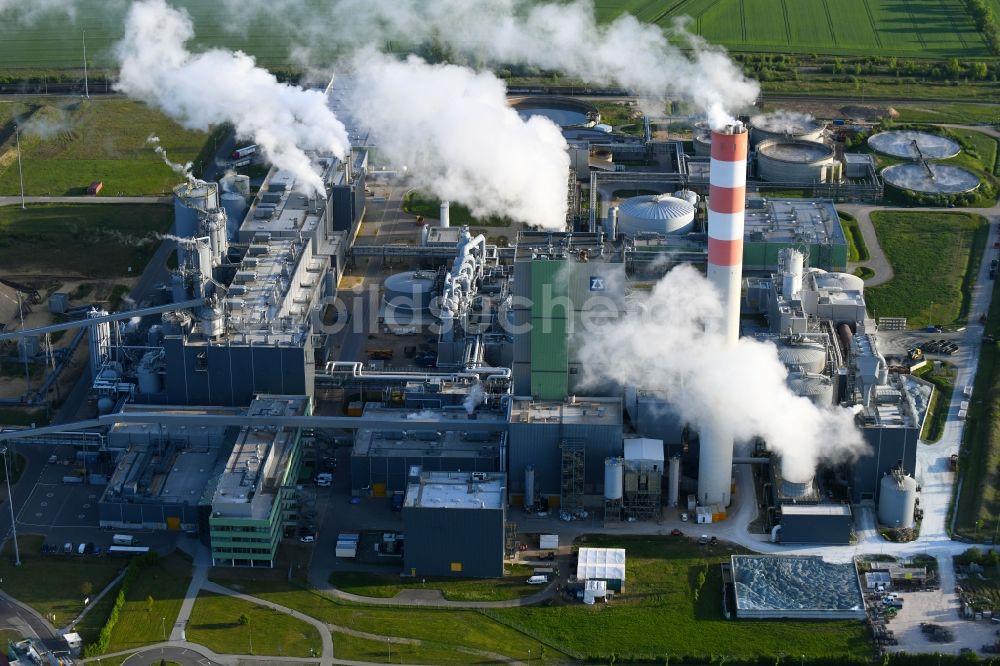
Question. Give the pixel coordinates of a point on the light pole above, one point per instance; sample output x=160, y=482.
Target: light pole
x=251, y=638
x=10, y=501
x=20, y=173
x=163, y=627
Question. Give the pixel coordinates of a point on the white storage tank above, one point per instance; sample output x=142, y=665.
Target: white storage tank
x=213, y=321
x=818, y=388
x=611, y=224
x=809, y=356
x=212, y=223
x=235, y=205
x=797, y=162
x=687, y=195
x=614, y=478
x=656, y=213
x=897, y=499
x=148, y=374
x=408, y=295
x=189, y=199
x=785, y=125
x=675, y=480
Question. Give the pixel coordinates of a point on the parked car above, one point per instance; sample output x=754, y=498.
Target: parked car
x=308, y=539
x=68, y=548
x=676, y=532
x=703, y=540
x=538, y=580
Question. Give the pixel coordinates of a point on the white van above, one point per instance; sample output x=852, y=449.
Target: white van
x=538, y=580
x=324, y=479
x=123, y=540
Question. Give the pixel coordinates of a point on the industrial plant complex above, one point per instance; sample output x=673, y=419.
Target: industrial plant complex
x=341, y=370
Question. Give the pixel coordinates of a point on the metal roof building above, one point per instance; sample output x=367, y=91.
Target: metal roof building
x=607, y=564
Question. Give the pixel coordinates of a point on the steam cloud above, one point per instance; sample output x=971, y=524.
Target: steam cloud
x=461, y=141
x=668, y=344
x=22, y=11
x=180, y=169
x=564, y=37
x=221, y=86
x=474, y=398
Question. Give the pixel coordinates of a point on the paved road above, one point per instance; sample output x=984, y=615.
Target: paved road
x=16, y=201
x=22, y=618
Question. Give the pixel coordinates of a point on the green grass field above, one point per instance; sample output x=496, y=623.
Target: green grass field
x=138, y=623
x=856, y=248
x=52, y=584
x=215, y=624
x=657, y=617
x=439, y=629
x=943, y=378
x=512, y=586
x=67, y=143
x=661, y=615
x=95, y=240
x=930, y=254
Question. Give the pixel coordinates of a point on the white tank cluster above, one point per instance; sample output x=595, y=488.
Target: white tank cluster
x=190, y=199
x=235, y=201
x=655, y=213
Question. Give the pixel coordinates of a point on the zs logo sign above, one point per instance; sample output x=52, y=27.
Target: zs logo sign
x=596, y=283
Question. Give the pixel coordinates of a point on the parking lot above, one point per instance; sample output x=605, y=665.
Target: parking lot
x=926, y=606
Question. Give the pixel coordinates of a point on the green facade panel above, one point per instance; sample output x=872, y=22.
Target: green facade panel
x=550, y=313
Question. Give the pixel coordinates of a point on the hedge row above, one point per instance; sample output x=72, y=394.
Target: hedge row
x=135, y=566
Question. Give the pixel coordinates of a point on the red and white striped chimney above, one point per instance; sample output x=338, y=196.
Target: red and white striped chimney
x=726, y=203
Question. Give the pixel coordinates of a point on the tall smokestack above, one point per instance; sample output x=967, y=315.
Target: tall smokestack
x=726, y=203
x=445, y=215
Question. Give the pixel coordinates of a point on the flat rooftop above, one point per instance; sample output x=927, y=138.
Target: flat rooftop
x=597, y=411
x=376, y=412
x=797, y=587
x=258, y=462
x=815, y=510
x=792, y=221
x=423, y=444
x=456, y=490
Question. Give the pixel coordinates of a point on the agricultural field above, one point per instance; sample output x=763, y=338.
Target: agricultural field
x=931, y=255
x=920, y=28
x=66, y=143
x=93, y=241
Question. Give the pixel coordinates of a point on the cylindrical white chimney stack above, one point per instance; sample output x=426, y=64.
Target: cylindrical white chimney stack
x=726, y=203
x=445, y=215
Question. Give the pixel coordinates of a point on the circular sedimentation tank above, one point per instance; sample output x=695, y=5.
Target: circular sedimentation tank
x=930, y=178
x=655, y=213
x=408, y=295
x=563, y=111
x=913, y=145
x=785, y=125
x=796, y=161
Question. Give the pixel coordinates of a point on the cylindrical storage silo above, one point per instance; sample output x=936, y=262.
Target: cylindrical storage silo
x=809, y=356
x=408, y=295
x=614, y=479
x=100, y=341
x=791, y=261
x=658, y=213
x=242, y=184
x=674, y=490
x=897, y=499
x=701, y=136
x=785, y=125
x=818, y=388
x=213, y=322
x=445, y=215
x=212, y=223
x=794, y=162
x=235, y=205
x=189, y=199
x=148, y=373
x=529, y=486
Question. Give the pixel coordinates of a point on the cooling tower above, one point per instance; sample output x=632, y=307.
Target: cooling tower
x=727, y=199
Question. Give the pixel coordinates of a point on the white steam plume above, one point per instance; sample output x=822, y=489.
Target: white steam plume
x=180, y=169
x=27, y=11
x=199, y=90
x=461, y=141
x=474, y=398
x=564, y=37
x=668, y=344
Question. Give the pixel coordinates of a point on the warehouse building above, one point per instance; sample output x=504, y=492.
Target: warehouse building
x=454, y=524
x=827, y=524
